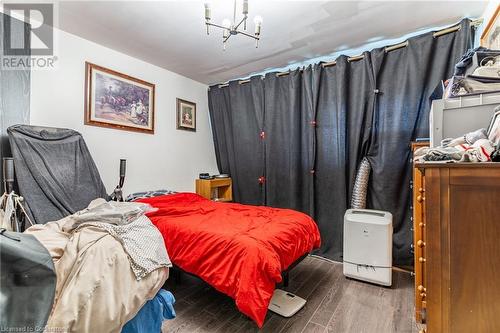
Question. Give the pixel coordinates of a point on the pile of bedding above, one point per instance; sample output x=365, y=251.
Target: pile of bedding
x=109, y=260
x=240, y=250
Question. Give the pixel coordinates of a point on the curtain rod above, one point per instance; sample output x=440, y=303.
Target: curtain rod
x=356, y=58
x=442, y=32
x=279, y=74
x=396, y=46
x=329, y=64
x=446, y=31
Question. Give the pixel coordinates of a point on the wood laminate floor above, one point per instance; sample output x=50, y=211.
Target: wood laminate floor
x=334, y=304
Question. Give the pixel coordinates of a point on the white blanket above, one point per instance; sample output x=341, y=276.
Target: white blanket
x=97, y=291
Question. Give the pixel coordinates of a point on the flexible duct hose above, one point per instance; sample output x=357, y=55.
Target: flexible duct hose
x=358, y=200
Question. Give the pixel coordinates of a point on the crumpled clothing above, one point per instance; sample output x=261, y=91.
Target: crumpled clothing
x=479, y=151
x=469, y=138
x=117, y=213
x=126, y=222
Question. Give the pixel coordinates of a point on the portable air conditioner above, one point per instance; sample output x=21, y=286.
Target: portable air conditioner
x=368, y=246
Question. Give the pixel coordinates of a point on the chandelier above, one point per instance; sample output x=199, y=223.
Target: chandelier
x=230, y=28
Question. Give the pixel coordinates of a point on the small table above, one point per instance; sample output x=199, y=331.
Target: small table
x=217, y=189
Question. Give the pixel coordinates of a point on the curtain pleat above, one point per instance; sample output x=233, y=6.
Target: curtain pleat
x=311, y=79
x=287, y=142
x=237, y=115
x=306, y=133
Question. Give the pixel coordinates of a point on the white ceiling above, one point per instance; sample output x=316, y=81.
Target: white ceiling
x=172, y=35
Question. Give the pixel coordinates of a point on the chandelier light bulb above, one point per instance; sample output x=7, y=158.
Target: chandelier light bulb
x=245, y=7
x=258, y=24
x=208, y=10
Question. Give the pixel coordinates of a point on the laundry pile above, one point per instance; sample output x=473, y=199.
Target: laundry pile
x=127, y=223
x=472, y=147
x=109, y=261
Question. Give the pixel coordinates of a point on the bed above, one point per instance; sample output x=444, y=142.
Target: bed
x=240, y=250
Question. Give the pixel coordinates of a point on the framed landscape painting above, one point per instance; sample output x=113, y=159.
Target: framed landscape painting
x=186, y=115
x=116, y=100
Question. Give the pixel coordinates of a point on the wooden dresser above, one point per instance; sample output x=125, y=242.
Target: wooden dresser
x=457, y=211
x=419, y=237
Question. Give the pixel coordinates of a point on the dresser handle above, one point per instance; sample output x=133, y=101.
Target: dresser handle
x=423, y=295
x=421, y=243
x=421, y=288
x=420, y=198
x=421, y=225
x=421, y=190
x=421, y=259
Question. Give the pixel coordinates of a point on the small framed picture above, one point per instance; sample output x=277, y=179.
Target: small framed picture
x=494, y=129
x=186, y=115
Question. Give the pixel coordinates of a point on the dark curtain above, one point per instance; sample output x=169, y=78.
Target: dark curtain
x=406, y=78
x=14, y=87
x=344, y=115
x=287, y=142
x=320, y=122
x=237, y=117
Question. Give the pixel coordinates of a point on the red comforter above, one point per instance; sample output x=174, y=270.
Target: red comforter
x=240, y=250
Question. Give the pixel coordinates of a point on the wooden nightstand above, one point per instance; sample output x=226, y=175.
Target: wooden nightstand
x=218, y=189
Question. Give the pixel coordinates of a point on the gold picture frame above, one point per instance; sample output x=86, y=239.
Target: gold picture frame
x=119, y=101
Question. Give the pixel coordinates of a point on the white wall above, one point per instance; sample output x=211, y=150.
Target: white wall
x=169, y=159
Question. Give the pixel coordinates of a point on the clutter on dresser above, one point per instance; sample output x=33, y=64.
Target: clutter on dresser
x=471, y=147
x=481, y=145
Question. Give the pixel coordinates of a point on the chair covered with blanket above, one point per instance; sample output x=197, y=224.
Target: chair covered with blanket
x=57, y=177
x=55, y=171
